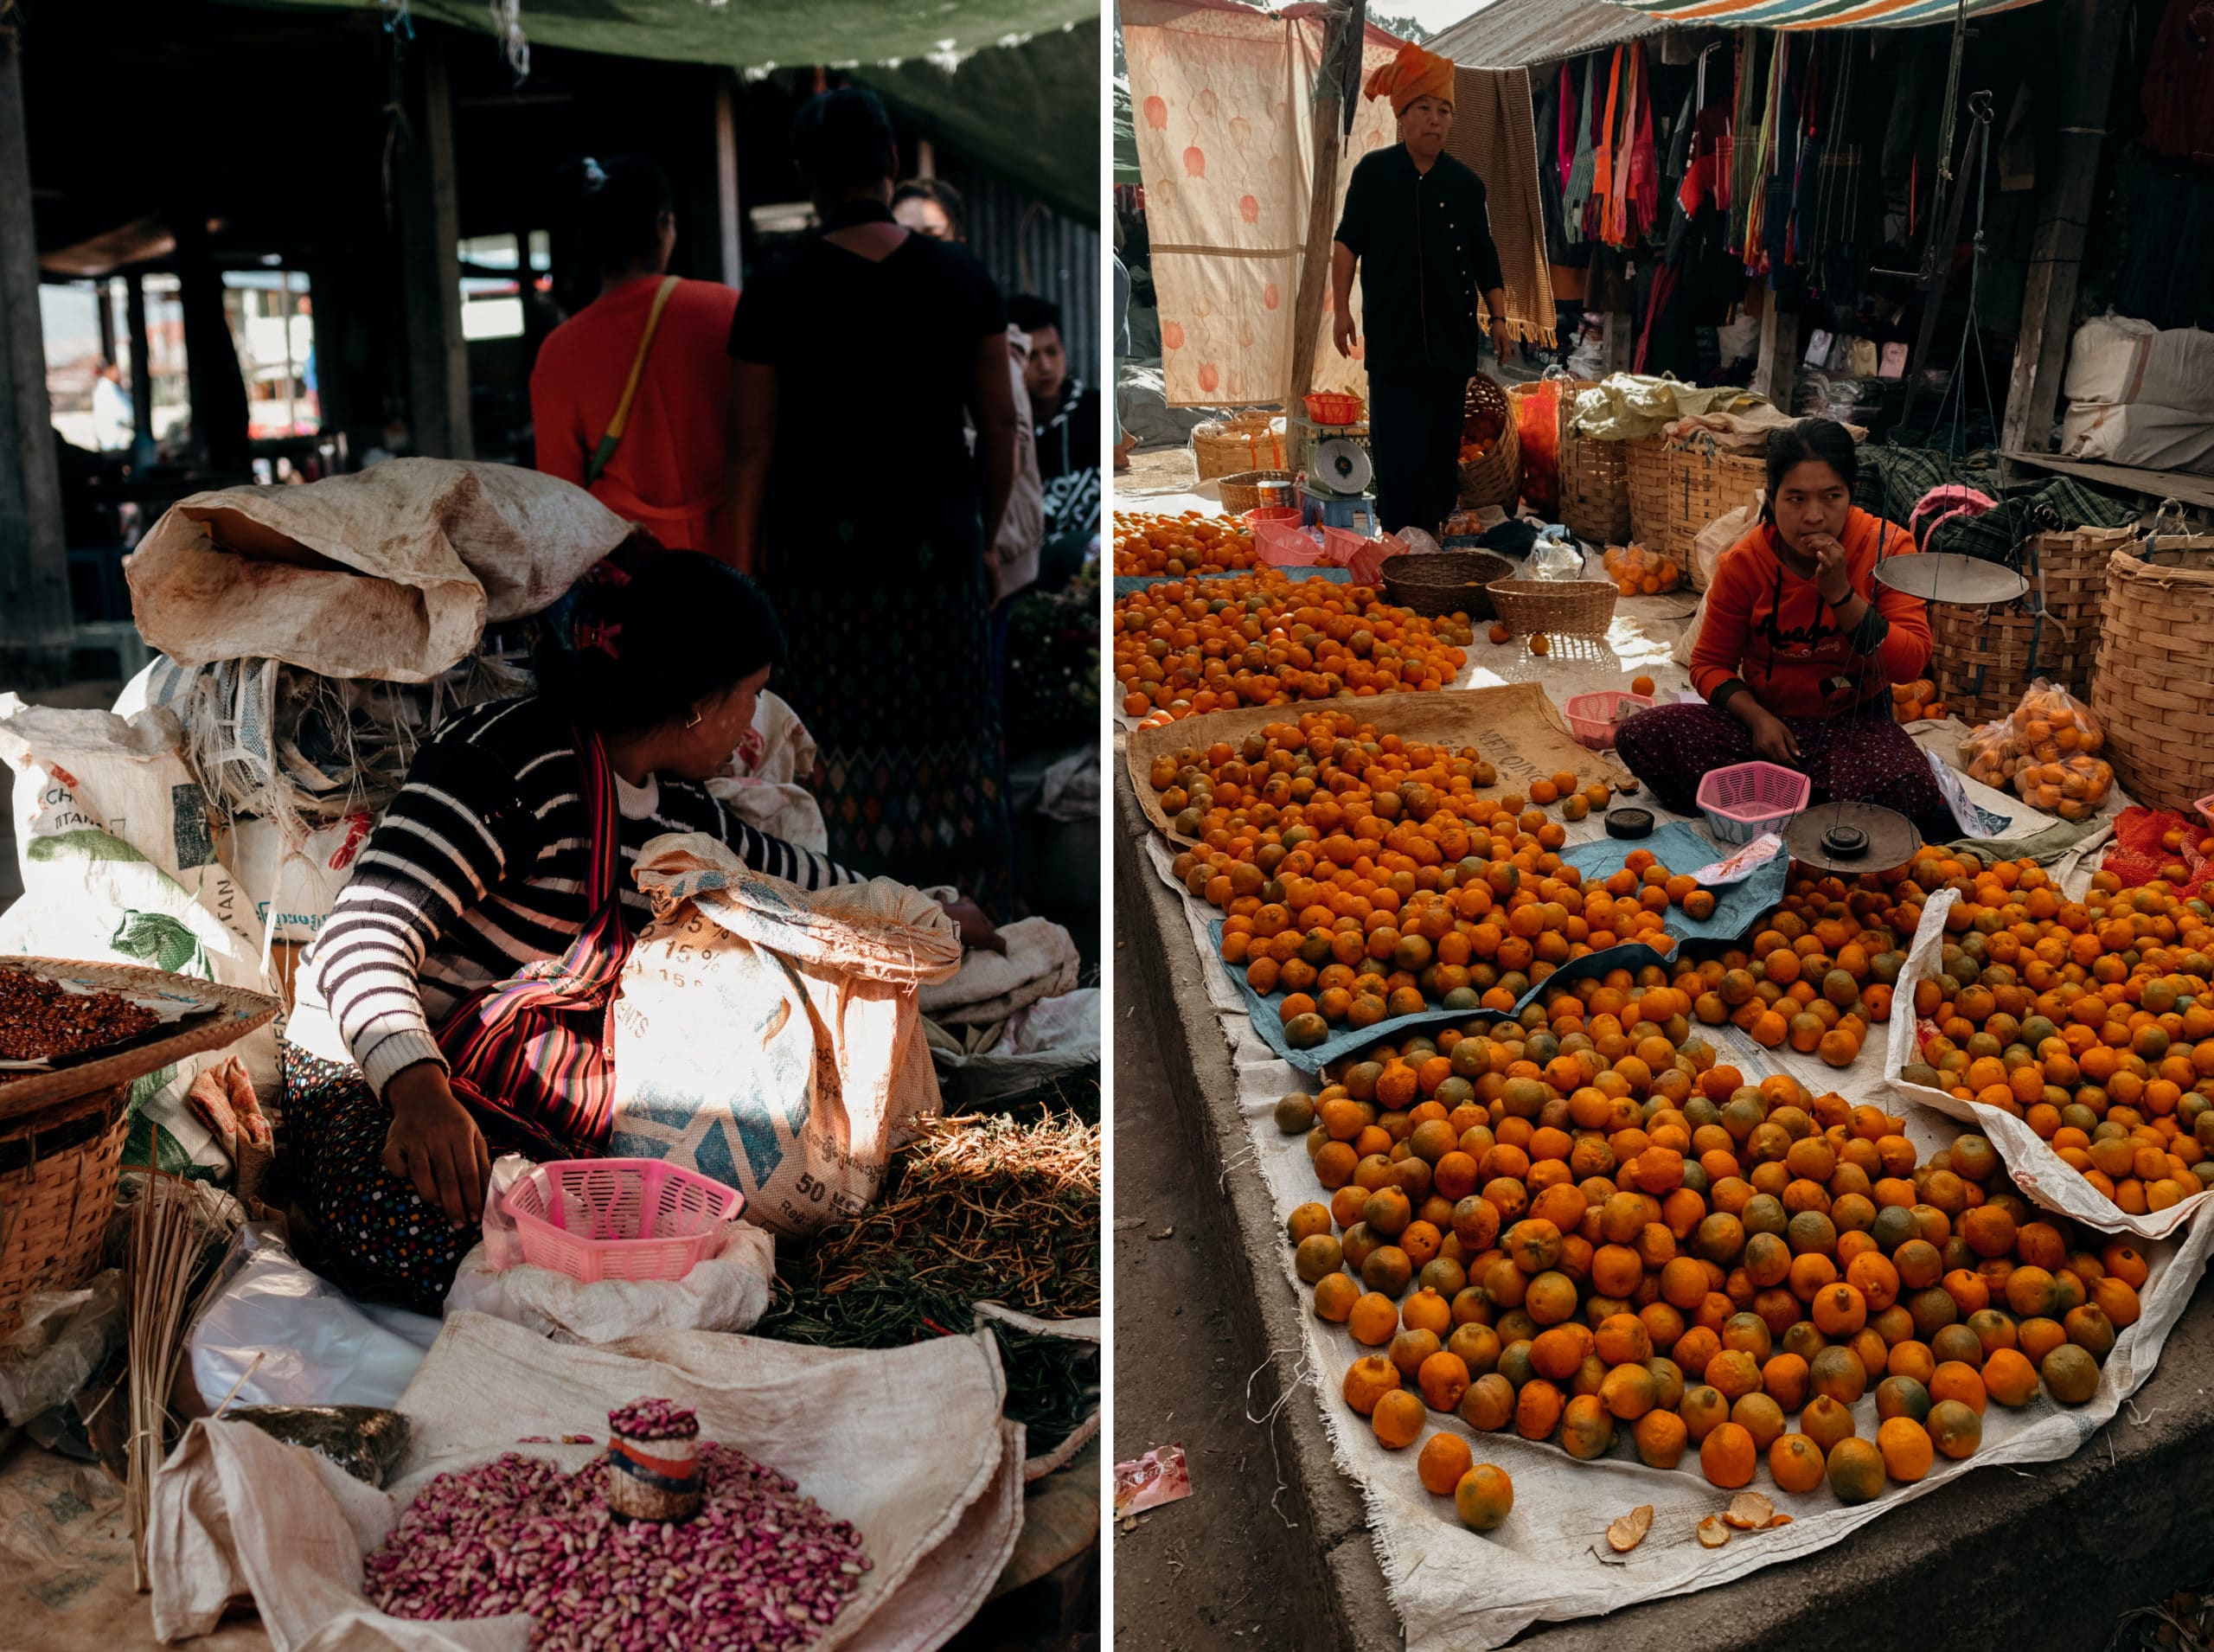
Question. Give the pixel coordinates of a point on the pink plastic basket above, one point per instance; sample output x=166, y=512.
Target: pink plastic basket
x=1746, y=799
x=1286, y=515
x=1592, y=716
x=618, y=1219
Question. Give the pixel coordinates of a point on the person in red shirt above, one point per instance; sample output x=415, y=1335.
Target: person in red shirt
x=1798, y=649
x=669, y=469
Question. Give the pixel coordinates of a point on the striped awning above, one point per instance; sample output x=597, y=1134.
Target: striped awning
x=1813, y=14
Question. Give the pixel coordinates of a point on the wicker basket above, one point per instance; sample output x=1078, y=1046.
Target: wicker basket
x=1594, y=476
x=1706, y=483
x=1251, y=441
x=1646, y=467
x=1985, y=658
x=1496, y=478
x=58, y=1171
x=1244, y=490
x=1447, y=582
x=2154, y=689
x=1556, y=608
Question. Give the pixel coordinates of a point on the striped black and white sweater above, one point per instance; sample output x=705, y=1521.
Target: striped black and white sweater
x=480, y=866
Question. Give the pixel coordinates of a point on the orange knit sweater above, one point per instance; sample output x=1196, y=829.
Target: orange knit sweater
x=1768, y=625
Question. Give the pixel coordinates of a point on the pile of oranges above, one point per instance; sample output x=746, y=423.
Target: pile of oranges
x=1177, y=545
x=1183, y=649
x=2090, y=1021
x=1637, y=572
x=1913, y=701
x=1574, y=1234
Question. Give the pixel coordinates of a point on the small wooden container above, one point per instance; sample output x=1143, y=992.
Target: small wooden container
x=653, y=1475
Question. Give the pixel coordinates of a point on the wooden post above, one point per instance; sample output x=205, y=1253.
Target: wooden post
x=2091, y=36
x=430, y=262
x=1338, y=38
x=37, y=623
x=1779, y=358
x=727, y=201
x=142, y=356
x=221, y=410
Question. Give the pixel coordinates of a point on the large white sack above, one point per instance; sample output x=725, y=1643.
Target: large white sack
x=391, y=572
x=2115, y=360
x=292, y=876
x=119, y=864
x=770, y=1038
x=2139, y=433
x=906, y=1444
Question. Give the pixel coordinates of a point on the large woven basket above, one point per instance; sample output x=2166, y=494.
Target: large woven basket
x=1244, y=490
x=1556, y=608
x=1445, y=582
x=1985, y=658
x=1251, y=441
x=1496, y=478
x=1704, y=482
x=1594, y=477
x=2153, y=687
x=57, y=1172
x=1646, y=467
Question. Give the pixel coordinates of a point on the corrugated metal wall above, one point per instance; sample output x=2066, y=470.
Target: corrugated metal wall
x=1029, y=247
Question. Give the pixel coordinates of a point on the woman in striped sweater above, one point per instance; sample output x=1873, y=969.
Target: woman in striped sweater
x=507, y=851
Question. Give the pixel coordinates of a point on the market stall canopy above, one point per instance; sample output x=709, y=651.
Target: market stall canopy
x=1014, y=84
x=1813, y=14
x=1517, y=34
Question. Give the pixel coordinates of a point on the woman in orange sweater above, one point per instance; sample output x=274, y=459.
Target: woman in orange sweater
x=1800, y=648
x=667, y=469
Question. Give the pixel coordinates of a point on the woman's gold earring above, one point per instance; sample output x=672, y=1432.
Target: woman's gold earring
x=693, y=721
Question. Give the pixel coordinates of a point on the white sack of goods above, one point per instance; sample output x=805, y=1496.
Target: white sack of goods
x=292, y=875
x=392, y=572
x=764, y=783
x=119, y=864
x=2139, y=433
x=772, y=1039
x=2115, y=361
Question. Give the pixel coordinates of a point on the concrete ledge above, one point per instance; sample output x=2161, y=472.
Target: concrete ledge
x=2045, y=1556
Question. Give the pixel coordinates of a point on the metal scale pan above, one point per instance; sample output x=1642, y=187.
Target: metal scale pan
x=1947, y=577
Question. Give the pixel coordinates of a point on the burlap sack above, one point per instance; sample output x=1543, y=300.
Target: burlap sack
x=390, y=573
x=770, y=1038
x=907, y=1444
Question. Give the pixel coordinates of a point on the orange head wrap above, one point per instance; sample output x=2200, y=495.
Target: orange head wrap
x=1413, y=73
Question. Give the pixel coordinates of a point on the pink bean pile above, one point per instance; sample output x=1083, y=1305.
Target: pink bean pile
x=759, y=1569
x=654, y=1419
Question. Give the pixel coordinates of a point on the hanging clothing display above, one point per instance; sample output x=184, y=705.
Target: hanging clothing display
x=1576, y=195
x=2178, y=97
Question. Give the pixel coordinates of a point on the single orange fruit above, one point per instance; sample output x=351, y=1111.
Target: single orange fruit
x=1726, y=1456
x=2010, y=1378
x=1444, y=1459
x=1906, y=1449
x=1484, y=1498
x=1661, y=1437
x=1954, y=1428
x=1855, y=1470
x=1367, y=1380
x=1397, y=1419
x=1796, y=1462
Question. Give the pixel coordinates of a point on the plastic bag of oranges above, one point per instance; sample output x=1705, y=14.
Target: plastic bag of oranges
x=1989, y=753
x=1637, y=572
x=2051, y=725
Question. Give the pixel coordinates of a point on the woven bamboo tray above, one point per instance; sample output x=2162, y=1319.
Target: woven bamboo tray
x=1556, y=608
x=2153, y=687
x=1984, y=659
x=238, y=1013
x=1447, y=582
x=1646, y=467
x=1252, y=441
x=58, y=1171
x=1594, y=477
x=1704, y=482
x=1496, y=478
x=1243, y=490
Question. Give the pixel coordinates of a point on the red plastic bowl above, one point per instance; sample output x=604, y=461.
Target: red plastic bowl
x=1334, y=407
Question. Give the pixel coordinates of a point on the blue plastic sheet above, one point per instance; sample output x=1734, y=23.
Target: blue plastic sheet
x=1737, y=907
x=1267, y=1014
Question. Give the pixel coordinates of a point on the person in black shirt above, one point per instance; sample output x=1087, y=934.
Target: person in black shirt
x=1416, y=225
x=1066, y=412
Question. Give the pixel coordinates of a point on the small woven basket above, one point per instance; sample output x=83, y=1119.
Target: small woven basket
x=1984, y=659
x=1496, y=478
x=1556, y=608
x=1704, y=484
x=1244, y=490
x=1594, y=477
x=1445, y=582
x=58, y=1171
x=2154, y=689
x=1251, y=441
x=1646, y=465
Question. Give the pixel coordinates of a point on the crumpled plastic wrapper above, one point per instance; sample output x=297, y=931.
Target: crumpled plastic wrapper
x=363, y=1440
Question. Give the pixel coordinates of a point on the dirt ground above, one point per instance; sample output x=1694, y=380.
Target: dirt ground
x=1207, y=1573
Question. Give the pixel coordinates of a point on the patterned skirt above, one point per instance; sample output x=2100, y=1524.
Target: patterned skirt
x=382, y=1242
x=889, y=637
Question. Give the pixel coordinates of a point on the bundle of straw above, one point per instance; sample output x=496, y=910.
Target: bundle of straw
x=168, y=1243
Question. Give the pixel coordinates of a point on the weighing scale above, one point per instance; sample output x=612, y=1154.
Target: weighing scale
x=1338, y=487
